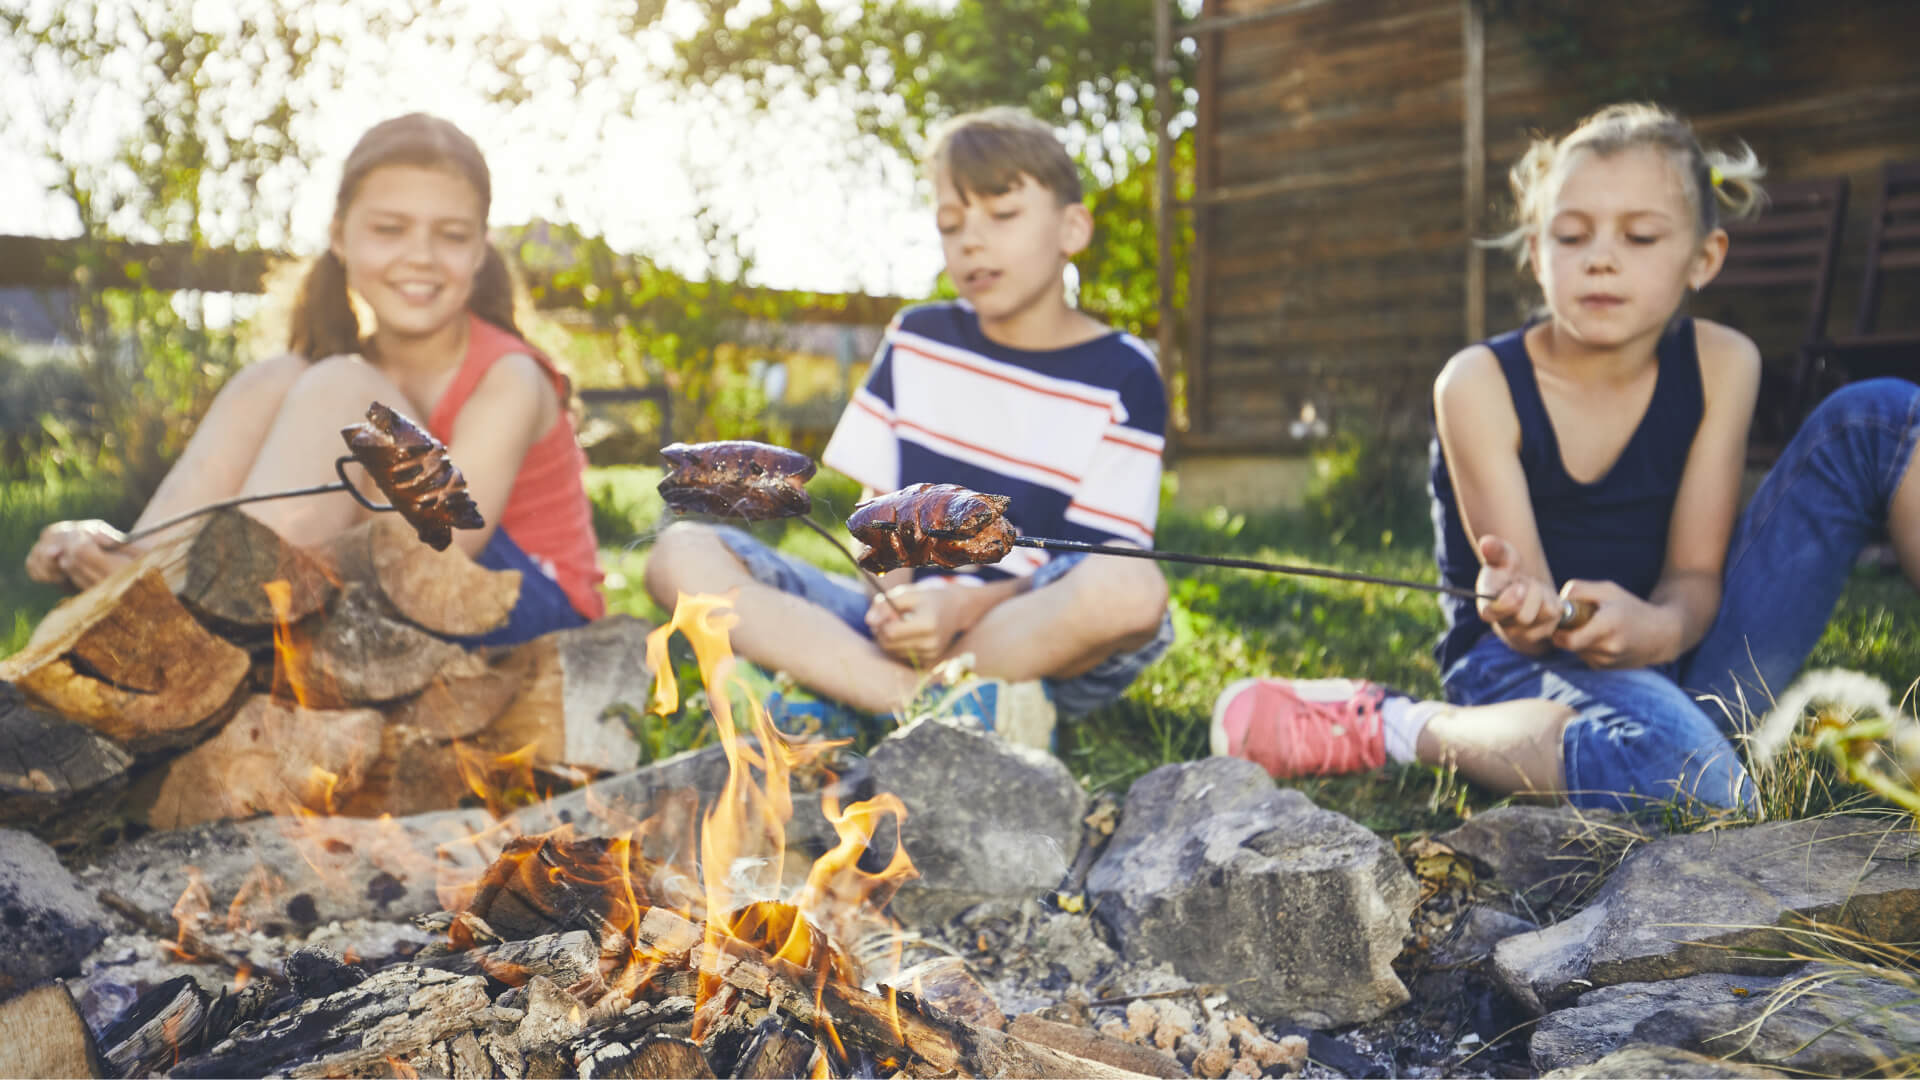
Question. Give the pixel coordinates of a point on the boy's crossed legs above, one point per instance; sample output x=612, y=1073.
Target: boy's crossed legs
x=1086, y=628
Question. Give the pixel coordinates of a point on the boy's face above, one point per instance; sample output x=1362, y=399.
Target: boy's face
x=1005, y=252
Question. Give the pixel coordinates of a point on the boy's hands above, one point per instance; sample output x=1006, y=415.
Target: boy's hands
x=930, y=617
x=1526, y=610
x=1624, y=631
x=76, y=553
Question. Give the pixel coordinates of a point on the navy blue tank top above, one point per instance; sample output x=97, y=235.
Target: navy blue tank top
x=1614, y=529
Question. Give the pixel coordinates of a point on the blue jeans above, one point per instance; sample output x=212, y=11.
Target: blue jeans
x=542, y=607
x=1641, y=735
x=1083, y=693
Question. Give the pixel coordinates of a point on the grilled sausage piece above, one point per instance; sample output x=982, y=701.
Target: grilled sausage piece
x=932, y=525
x=753, y=481
x=416, y=474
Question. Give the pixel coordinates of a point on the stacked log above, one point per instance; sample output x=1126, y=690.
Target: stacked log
x=230, y=674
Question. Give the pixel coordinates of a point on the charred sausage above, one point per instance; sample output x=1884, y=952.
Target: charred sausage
x=753, y=481
x=932, y=525
x=414, y=471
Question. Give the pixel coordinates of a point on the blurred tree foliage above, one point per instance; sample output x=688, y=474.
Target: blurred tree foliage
x=193, y=138
x=1085, y=66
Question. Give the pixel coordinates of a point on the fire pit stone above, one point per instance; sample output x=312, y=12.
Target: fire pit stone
x=47, y=924
x=1297, y=912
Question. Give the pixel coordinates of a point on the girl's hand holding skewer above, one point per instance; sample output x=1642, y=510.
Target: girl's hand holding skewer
x=1624, y=630
x=76, y=553
x=1525, y=611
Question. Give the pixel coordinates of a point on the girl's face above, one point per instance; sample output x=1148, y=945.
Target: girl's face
x=412, y=240
x=1005, y=252
x=1620, y=247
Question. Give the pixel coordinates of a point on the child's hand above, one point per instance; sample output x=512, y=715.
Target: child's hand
x=929, y=618
x=1624, y=630
x=76, y=553
x=1525, y=610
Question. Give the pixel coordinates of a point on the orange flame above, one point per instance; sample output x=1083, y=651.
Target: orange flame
x=190, y=911
x=505, y=782
x=289, y=652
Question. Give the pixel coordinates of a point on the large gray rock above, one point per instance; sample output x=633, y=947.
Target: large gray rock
x=987, y=819
x=1604, y=1020
x=1547, y=855
x=1825, y=1023
x=1644, y=1059
x=1704, y=902
x=47, y=923
x=1296, y=912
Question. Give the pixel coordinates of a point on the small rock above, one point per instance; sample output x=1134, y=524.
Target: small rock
x=47, y=923
x=1477, y=932
x=1213, y=1063
x=1645, y=1059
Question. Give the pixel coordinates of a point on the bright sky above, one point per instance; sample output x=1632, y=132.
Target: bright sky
x=619, y=157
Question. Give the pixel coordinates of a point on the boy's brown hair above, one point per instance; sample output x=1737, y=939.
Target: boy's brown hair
x=987, y=152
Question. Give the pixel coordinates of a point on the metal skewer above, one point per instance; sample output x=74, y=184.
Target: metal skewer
x=873, y=579
x=1572, y=613
x=339, y=466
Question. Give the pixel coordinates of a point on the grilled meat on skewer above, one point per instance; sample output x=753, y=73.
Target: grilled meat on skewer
x=416, y=474
x=932, y=525
x=753, y=481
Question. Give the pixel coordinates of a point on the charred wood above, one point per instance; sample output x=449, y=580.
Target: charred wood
x=166, y=1023
x=316, y=973
x=657, y=1055
x=776, y=1050
x=55, y=775
x=567, y=959
x=354, y=1032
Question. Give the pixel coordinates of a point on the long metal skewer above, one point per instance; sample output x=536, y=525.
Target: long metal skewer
x=1572, y=613
x=339, y=466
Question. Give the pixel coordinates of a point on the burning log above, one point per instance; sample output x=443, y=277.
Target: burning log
x=440, y=591
x=43, y=1034
x=272, y=757
x=664, y=1056
x=569, y=959
x=222, y=576
x=50, y=768
x=945, y=983
x=776, y=1050
x=126, y=659
x=1094, y=1046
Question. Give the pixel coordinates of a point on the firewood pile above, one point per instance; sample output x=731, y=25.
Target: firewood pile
x=230, y=674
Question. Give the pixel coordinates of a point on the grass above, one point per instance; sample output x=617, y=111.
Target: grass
x=26, y=506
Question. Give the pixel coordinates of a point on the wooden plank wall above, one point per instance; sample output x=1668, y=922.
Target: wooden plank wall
x=1333, y=200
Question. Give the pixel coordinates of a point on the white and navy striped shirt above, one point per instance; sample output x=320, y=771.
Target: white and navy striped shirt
x=1073, y=436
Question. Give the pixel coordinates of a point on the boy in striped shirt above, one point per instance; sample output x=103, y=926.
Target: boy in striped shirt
x=1007, y=390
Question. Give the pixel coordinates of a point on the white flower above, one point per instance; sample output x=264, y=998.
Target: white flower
x=1851, y=690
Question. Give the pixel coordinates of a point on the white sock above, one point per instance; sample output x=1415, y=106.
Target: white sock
x=1401, y=721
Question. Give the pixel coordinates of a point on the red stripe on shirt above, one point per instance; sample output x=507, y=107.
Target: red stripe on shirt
x=1036, y=466
x=1124, y=520
x=1103, y=406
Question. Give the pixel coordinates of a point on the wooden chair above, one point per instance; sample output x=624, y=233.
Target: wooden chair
x=1893, y=244
x=1791, y=248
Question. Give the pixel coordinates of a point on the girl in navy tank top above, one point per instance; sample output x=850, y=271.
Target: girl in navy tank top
x=1594, y=458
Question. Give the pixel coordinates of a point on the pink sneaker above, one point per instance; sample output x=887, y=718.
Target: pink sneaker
x=1301, y=727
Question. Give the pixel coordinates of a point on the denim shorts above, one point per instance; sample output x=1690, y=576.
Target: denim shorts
x=1101, y=685
x=1653, y=734
x=542, y=607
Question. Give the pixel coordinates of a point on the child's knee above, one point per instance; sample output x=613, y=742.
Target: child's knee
x=352, y=376
x=672, y=550
x=1885, y=400
x=1121, y=597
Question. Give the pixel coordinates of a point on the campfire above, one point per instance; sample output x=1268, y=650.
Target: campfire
x=675, y=941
